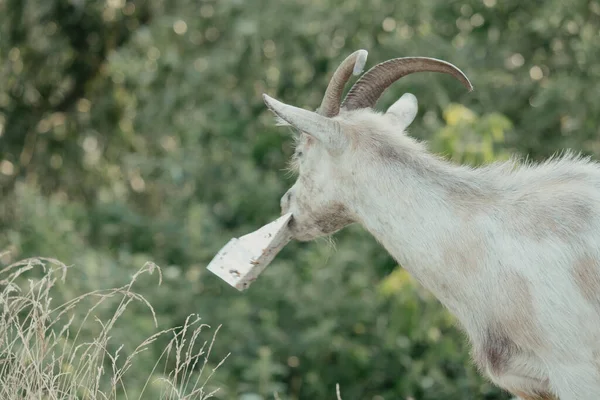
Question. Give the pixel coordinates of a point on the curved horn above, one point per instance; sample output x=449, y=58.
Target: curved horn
x=352, y=65
x=369, y=88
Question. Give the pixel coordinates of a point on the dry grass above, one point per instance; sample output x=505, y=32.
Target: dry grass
x=43, y=355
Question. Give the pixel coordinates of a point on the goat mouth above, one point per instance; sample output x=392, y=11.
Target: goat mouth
x=292, y=225
x=295, y=233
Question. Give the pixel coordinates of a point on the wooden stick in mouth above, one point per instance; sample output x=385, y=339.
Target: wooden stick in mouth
x=241, y=260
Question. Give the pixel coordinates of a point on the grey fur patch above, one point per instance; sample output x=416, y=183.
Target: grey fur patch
x=586, y=274
x=565, y=216
x=497, y=351
x=513, y=331
x=333, y=218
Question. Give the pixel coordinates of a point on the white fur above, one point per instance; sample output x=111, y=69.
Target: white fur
x=512, y=250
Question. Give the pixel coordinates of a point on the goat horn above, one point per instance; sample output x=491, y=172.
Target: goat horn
x=369, y=88
x=352, y=65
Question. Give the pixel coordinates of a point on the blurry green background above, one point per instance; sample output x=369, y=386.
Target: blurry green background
x=134, y=131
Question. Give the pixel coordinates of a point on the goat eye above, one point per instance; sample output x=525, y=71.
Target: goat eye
x=299, y=154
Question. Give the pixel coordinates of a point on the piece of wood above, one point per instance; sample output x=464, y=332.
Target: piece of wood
x=241, y=260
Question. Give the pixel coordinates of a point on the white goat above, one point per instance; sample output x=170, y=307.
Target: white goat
x=513, y=251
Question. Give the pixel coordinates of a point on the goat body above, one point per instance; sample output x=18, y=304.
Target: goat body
x=513, y=253
x=512, y=250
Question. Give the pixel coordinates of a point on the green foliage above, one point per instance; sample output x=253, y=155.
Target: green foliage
x=134, y=130
x=468, y=138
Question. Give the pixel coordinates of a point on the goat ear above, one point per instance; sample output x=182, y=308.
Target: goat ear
x=325, y=130
x=404, y=110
